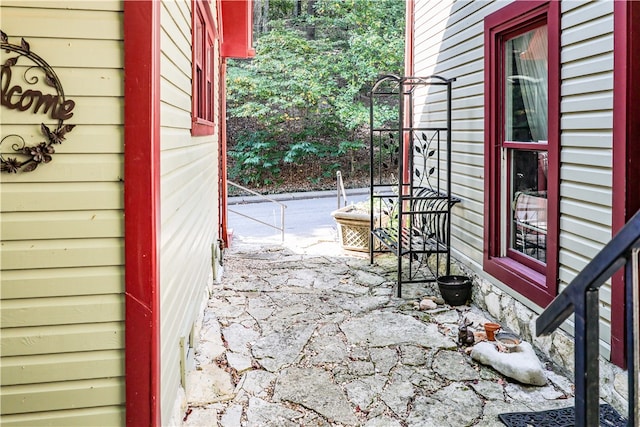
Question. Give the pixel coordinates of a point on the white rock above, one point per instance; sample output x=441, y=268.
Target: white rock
x=239, y=362
x=522, y=364
x=427, y=304
x=209, y=384
x=493, y=305
x=232, y=416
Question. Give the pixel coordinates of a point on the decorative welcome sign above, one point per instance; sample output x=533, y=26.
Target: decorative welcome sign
x=41, y=94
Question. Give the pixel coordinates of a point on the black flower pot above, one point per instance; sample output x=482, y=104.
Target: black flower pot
x=455, y=290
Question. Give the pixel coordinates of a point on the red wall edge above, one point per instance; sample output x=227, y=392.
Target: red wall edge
x=408, y=71
x=626, y=150
x=142, y=210
x=409, y=37
x=224, y=229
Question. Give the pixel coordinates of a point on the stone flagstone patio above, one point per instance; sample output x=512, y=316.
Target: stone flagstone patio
x=313, y=337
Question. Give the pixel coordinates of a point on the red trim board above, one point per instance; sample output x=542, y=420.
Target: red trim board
x=626, y=149
x=142, y=211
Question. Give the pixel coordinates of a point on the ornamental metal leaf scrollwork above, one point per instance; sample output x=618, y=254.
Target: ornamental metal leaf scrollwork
x=389, y=151
x=29, y=157
x=423, y=146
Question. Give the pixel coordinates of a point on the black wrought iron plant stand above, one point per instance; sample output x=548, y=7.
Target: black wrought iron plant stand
x=410, y=176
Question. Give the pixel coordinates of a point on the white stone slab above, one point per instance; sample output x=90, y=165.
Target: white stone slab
x=522, y=364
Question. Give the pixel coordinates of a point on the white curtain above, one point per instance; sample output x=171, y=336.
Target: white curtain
x=532, y=64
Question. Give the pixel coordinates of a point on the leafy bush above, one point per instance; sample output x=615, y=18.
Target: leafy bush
x=255, y=158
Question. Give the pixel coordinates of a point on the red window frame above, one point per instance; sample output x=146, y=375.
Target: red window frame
x=540, y=285
x=204, y=68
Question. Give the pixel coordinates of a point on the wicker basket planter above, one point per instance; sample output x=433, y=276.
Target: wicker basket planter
x=353, y=228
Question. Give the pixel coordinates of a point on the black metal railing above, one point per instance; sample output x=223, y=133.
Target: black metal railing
x=581, y=297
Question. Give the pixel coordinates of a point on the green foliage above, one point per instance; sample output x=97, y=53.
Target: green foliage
x=308, y=96
x=301, y=150
x=280, y=9
x=345, y=147
x=256, y=158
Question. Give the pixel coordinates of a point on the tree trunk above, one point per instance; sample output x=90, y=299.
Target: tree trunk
x=311, y=12
x=261, y=15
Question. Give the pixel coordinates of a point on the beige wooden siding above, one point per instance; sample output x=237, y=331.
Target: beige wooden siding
x=449, y=42
x=62, y=285
x=189, y=168
x=586, y=123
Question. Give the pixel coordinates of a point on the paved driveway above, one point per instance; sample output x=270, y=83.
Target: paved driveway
x=307, y=216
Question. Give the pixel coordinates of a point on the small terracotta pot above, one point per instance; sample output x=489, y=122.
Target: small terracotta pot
x=491, y=329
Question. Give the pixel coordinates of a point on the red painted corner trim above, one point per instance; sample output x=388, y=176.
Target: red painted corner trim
x=620, y=59
x=626, y=150
x=224, y=226
x=142, y=211
x=409, y=61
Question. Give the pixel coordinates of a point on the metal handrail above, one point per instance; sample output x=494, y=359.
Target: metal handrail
x=342, y=194
x=581, y=297
x=265, y=198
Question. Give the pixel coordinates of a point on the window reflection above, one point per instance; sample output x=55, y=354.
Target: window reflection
x=529, y=207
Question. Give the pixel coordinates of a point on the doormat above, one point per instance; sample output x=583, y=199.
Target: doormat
x=564, y=417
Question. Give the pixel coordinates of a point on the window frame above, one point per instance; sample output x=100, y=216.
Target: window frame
x=538, y=285
x=204, y=60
